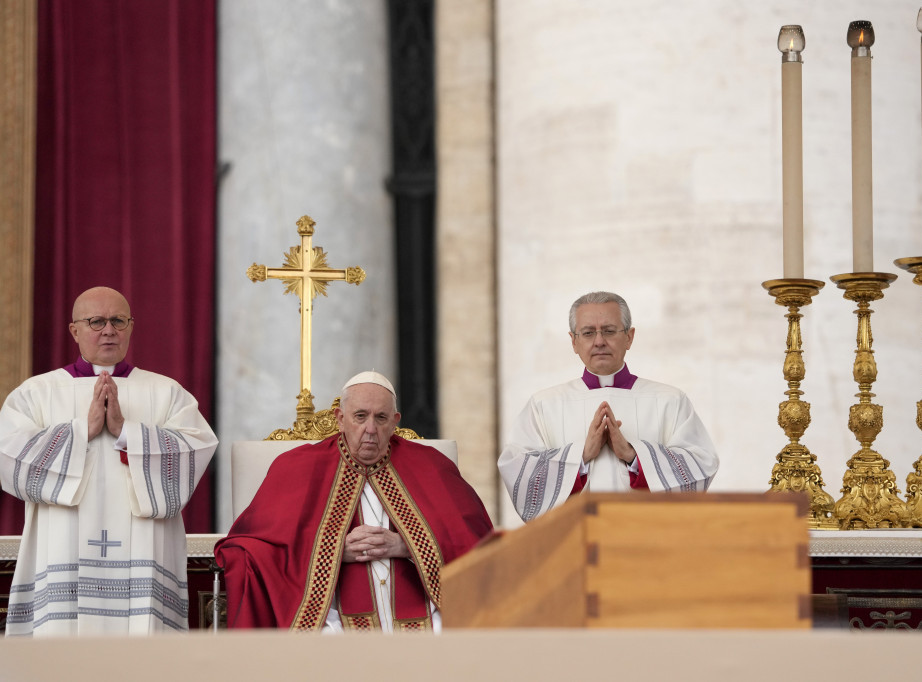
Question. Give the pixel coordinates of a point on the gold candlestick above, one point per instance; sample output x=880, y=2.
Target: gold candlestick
x=914, y=479
x=870, y=496
x=796, y=469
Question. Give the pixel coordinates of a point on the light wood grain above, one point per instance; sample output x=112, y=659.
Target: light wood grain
x=610, y=560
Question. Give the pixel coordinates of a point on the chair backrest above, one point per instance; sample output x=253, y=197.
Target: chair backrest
x=250, y=460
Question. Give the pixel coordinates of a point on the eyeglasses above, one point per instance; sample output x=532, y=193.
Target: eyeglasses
x=606, y=332
x=97, y=324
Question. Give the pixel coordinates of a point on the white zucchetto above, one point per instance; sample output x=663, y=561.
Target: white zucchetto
x=371, y=377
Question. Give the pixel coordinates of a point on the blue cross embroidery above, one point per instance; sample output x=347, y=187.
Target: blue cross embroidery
x=104, y=544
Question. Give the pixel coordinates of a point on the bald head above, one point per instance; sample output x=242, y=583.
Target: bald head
x=91, y=298
x=107, y=346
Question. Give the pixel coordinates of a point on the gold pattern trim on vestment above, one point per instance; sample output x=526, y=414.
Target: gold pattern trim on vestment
x=414, y=624
x=361, y=621
x=400, y=507
x=326, y=556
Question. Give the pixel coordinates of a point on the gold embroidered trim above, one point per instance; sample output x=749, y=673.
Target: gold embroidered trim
x=415, y=625
x=323, y=573
x=412, y=527
x=361, y=621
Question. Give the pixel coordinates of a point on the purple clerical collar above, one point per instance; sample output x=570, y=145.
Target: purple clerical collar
x=623, y=379
x=82, y=368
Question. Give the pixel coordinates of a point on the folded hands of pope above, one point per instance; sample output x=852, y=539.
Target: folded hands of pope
x=368, y=543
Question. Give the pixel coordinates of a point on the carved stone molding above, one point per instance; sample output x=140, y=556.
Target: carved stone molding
x=897, y=542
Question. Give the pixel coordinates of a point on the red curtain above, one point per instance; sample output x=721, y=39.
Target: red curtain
x=125, y=188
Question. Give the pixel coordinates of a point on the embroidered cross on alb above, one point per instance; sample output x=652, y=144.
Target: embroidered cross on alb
x=105, y=543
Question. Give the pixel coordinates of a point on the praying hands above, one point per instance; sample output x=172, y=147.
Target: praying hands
x=604, y=429
x=105, y=410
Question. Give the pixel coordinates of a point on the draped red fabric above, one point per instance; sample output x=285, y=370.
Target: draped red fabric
x=125, y=188
x=269, y=551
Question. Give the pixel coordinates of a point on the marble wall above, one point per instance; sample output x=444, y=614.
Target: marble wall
x=304, y=129
x=636, y=147
x=639, y=151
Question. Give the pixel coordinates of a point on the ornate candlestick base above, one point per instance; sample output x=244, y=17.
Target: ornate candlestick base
x=870, y=496
x=796, y=469
x=914, y=479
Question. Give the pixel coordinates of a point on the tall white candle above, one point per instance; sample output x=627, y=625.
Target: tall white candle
x=791, y=42
x=860, y=38
x=919, y=20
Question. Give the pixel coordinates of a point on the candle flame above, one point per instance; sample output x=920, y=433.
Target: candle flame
x=791, y=46
x=861, y=38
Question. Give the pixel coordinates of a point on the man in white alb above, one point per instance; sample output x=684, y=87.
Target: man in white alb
x=608, y=430
x=105, y=456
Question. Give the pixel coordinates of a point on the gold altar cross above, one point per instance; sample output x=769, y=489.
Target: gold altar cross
x=306, y=274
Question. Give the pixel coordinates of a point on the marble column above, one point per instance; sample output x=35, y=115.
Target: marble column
x=466, y=237
x=303, y=130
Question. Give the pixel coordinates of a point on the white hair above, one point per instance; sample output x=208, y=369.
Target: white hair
x=601, y=297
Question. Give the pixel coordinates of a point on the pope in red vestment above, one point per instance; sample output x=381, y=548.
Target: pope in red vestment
x=302, y=551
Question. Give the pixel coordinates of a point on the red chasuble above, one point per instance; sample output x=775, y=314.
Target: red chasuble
x=283, y=556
